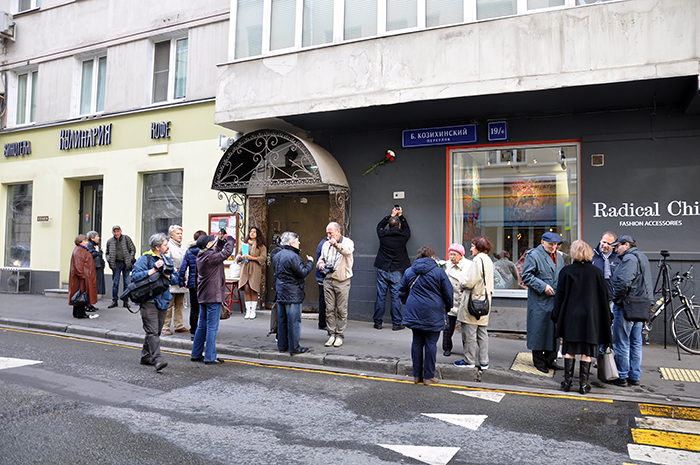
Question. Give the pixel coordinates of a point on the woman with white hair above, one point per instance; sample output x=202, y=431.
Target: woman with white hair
x=176, y=252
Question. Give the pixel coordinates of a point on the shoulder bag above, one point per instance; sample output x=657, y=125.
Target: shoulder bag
x=636, y=308
x=479, y=308
x=80, y=298
x=151, y=286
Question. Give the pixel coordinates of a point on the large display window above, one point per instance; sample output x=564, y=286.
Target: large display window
x=18, y=230
x=162, y=203
x=513, y=194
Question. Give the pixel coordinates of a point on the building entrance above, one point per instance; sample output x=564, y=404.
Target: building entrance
x=90, y=207
x=306, y=215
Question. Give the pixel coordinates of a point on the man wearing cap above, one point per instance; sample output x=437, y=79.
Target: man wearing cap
x=540, y=275
x=631, y=278
x=392, y=260
x=120, y=253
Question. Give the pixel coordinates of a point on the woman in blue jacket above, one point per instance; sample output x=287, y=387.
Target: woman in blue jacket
x=427, y=293
x=189, y=280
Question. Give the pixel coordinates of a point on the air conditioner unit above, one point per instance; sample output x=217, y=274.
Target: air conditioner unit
x=7, y=26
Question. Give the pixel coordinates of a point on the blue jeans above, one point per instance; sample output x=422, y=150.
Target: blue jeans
x=424, y=353
x=392, y=281
x=288, y=327
x=627, y=344
x=120, y=269
x=209, y=316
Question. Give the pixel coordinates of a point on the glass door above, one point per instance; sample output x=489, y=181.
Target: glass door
x=90, y=207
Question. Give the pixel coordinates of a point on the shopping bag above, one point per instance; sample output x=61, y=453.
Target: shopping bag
x=607, y=369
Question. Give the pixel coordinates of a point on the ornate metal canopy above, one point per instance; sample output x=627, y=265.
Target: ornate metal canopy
x=276, y=161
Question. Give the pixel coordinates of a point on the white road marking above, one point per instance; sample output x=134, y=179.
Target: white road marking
x=429, y=455
x=471, y=422
x=492, y=396
x=669, y=424
x=662, y=456
x=15, y=362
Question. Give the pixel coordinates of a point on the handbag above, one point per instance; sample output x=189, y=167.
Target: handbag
x=636, y=308
x=225, y=312
x=479, y=308
x=80, y=298
x=607, y=369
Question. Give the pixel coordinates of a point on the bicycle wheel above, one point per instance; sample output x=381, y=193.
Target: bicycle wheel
x=686, y=328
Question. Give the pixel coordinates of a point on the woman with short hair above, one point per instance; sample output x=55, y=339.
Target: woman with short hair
x=427, y=292
x=581, y=314
x=82, y=276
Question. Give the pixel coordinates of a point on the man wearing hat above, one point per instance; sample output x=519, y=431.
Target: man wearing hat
x=632, y=277
x=120, y=253
x=540, y=275
x=392, y=260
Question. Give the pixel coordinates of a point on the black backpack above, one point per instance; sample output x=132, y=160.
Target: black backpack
x=151, y=286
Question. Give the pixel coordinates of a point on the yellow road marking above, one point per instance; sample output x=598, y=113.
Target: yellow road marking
x=666, y=439
x=680, y=374
x=315, y=370
x=687, y=413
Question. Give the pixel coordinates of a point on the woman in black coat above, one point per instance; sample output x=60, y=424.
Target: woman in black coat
x=581, y=313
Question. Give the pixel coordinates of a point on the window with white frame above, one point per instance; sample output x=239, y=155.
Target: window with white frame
x=26, y=97
x=18, y=228
x=317, y=27
x=401, y=14
x=92, y=85
x=169, y=70
x=513, y=194
x=360, y=19
x=26, y=5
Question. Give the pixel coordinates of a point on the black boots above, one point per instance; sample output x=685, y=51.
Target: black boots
x=584, y=368
x=568, y=374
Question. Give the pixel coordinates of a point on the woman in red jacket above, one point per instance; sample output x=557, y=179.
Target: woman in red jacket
x=82, y=276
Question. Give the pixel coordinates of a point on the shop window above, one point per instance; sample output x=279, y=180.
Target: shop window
x=318, y=22
x=249, y=20
x=360, y=19
x=26, y=97
x=441, y=12
x=401, y=14
x=513, y=195
x=18, y=230
x=162, y=203
x=169, y=70
x=92, y=85
x=26, y=5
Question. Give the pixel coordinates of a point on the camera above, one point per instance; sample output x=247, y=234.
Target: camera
x=167, y=269
x=222, y=231
x=328, y=270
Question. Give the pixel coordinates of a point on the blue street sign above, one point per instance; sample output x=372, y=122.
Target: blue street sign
x=449, y=135
x=498, y=130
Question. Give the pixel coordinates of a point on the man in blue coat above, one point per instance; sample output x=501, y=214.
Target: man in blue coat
x=540, y=275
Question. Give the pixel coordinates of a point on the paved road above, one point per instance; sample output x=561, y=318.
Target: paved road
x=68, y=400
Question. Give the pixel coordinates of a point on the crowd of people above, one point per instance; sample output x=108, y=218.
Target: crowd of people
x=575, y=298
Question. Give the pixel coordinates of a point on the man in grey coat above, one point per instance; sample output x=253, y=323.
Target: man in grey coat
x=540, y=275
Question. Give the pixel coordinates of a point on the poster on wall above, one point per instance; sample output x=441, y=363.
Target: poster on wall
x=224, y=220
x=530, y=201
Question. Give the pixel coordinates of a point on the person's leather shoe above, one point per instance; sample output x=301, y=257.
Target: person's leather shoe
x=160, y=366
x=182, y=330
x=431, y=381
x=620, y=382
x=167, y=332
x=218, y=361
x=113, y=305
x=146, y=362
x=376, y=326
x=542, y=369
x=302, y=350
x=398, y=328
x=447, y=353
x=633, y=382
x=555, y=367
x=417, y=380
x=197, y=359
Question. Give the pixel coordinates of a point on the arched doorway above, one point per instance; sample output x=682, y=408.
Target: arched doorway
x=280, y=182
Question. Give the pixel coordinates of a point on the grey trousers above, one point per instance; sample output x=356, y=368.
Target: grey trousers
x=475, y=339
x=336, y=294
x=153, y=320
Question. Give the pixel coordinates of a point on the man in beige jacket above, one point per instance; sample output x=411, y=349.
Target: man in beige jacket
x=335, y=264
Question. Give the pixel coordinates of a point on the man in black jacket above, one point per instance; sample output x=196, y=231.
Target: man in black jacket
x=632, y=277
x=392, y=260
x=290, y=277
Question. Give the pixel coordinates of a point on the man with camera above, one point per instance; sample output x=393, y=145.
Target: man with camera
x=391, y=262
x=153, y=311
x=335, y=264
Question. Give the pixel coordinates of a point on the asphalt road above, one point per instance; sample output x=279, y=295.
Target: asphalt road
x=90, y=402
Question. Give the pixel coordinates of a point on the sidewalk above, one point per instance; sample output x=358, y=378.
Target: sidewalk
x=366, y=350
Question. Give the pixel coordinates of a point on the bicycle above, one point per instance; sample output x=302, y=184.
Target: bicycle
x=685, y=321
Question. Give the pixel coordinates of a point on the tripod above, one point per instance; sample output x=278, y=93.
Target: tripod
x=666, y=293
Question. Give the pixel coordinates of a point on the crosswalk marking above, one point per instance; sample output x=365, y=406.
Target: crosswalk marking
x=429, y=455
x=471, y=422
x=491, y=396
x=651, y=437
x=15, y=362
x=680, y=374
x=669, y=424
x=686, y=413
x=662, y=456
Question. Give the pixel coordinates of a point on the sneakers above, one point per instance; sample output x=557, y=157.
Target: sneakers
x=463, y=364
x=93, y=316
x=301, y=350
x=484, y=367
x=330, y=341
x=338, y=342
